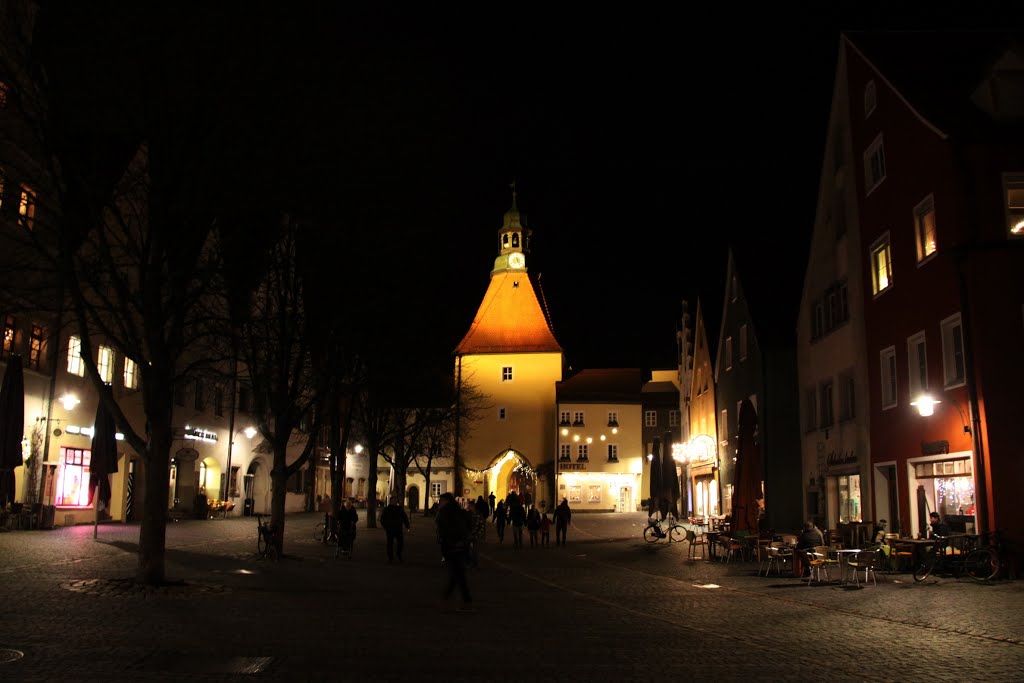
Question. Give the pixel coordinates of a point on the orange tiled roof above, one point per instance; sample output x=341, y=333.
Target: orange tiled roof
x=509, y=320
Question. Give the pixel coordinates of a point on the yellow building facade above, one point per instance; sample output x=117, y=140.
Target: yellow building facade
x=706, y=494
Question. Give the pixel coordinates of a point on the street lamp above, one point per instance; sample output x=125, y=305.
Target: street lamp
x=926, y=407
x=249, y=432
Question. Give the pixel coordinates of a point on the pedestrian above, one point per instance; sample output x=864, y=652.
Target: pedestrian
x=347, y=519
x=490, y=502
x=500, y=519
x=517, y=515
x=810, y=538
x=478, y=527
x=563, y=515
x=453, y=535
x=545, y=530
x=512, y=500
x=394, y=519
x=533, y=525
x=482, y=508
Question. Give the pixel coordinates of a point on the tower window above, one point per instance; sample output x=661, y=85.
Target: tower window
x=504, y=241
x=515, y=240
x=506, y=373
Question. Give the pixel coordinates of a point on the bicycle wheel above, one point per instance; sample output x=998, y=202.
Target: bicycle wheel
x=982, y=564
x=651, y=535
x=677, y=534
x=318, y=532
x=925, y=568
x=261, y=542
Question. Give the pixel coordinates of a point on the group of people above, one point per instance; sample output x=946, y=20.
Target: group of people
x=512, y=511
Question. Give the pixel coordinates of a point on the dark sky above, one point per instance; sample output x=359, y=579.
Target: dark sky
x=642, y=142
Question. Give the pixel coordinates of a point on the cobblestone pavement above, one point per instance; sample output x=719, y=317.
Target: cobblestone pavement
x=606, y=606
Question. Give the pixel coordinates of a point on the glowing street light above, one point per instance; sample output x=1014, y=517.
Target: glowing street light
x=925, y=405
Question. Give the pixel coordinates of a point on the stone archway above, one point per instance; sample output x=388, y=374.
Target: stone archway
x=511, y=471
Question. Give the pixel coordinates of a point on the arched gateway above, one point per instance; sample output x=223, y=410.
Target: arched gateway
x=511, y=471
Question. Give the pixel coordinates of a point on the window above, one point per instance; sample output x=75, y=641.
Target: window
x=728, y=353
x=563, y=418
x=75, y=365
x=593, y=494
x=199, y=395
x=874, y=165
x=565, y=452
x=27, y=208
x=743, y=342
x=576, y=494
x=131, y=374
x=506, y=373
x=723, y=426
x=73, y=477
x=888, y=363
x=870, y=98
x=233, y=484
x=577, y=419
x=501, y=414
x=953, y=369
x=924, y=228
x=35, y=348
x=810, y=409
x=437, y=488
x=673, y=418
x=846, y=396
x=105, y=363
x=613, y=419
x=917, y=365
x=613, y=452
x=582, y=452
x=9, y=336
x=1014, y=188
x=881, y=265
x=218, y=400
x=827, y=417
x=650, y=418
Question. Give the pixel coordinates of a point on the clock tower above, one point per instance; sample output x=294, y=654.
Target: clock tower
x=514, y=237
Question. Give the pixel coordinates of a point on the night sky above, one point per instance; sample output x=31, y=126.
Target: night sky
x=642, y=143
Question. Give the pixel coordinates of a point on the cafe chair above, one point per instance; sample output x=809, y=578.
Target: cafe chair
x=819, y=562
x=778, y=555
x=695, y=541
x=866, y=560
x=732, y=547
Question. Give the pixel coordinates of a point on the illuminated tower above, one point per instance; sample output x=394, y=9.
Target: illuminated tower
x=511, y=357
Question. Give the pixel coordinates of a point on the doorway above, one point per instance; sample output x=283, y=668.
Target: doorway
x=414, y=498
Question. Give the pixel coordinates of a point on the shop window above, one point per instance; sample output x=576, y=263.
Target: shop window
x=848, y=498
x=575, y=494
x=593, y=494
x=953, y=369
x=73, y=477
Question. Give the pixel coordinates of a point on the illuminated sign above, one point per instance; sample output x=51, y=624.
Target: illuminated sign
x=200, y=434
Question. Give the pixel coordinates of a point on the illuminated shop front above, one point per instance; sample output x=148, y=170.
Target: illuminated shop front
x=705, y=494
x=943, y=484
x=598, y=491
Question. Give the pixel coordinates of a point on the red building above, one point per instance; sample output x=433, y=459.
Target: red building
x=935, y=124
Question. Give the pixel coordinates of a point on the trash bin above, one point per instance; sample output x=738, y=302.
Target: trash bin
x=248, y=506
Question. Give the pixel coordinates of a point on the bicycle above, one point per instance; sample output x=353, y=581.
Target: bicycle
x=653, y=532
x=959, y=555
x=324, y=531
x=265, y=545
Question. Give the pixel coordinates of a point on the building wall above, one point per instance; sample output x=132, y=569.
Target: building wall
x=602, y=486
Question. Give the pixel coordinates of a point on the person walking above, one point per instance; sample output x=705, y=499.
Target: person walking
x=500, y=520
x=517, y=515
x=563, y=515
x=490, y=502
x=453, y=534
x=394, y=519
x=483, y=511
x=477, y=531
x=347, y=519
x=545, y=530
x=533, y=525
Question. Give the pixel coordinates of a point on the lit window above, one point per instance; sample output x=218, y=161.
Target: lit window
x=1014, y=183
x=27, y=208
x=870, y=98
x=105, y=363
x=75, y=365
x=506, y=373
x=650, y=418
x=924, y=228
x=887, y=360
x=881, y=265
x=576, y=494
x=953, y=369
x=917, y=365
x=593, y=494
x=9, y=335
x=35, y=348
x=874, y=165
x=73, y=477
x=131, y=378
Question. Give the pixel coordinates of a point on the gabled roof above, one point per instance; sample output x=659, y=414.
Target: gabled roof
x=510, y=320
x=612, y=385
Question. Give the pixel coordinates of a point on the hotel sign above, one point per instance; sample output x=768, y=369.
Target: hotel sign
x=572, y=466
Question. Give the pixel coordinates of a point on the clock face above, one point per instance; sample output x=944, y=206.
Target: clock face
x=516, y=260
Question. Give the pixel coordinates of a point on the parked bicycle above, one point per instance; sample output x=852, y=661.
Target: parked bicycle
x=655, y=531
x=958, y=556
x=324, y=531
x=265, y=545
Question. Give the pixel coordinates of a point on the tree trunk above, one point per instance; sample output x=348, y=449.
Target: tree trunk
x=426, y=489
x=153, y=529
x=371, y=493
x=278, y=493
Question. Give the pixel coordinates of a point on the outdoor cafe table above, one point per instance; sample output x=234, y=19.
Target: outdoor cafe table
x=843, y=555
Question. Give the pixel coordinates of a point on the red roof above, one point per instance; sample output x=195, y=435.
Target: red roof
x=510, y=319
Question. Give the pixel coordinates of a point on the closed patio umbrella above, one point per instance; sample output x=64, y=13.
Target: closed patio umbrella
x=104, y=456
x=670, y=477
x=747, y=487
x=655, y=482
x=12, y=426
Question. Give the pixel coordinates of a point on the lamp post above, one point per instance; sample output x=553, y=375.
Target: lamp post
x=249, y=432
